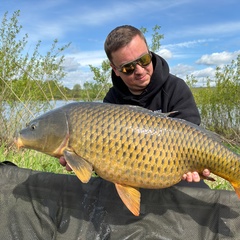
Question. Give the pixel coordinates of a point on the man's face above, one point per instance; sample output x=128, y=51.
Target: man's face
x=140, y=78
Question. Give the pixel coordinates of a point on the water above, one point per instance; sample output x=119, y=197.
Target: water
x=14, y=116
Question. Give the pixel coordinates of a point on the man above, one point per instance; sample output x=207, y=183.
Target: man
x=142, y=78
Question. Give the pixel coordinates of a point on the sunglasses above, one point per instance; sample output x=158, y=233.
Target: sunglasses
x=143, y=61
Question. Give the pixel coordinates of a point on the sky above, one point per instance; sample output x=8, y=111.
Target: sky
x=199, y=35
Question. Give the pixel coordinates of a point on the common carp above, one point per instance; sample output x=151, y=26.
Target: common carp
x=130, y=146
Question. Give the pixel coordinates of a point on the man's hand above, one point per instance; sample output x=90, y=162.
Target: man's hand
x=194, y=176
x=63, y=162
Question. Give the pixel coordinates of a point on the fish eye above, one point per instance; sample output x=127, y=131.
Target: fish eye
x=33, y=126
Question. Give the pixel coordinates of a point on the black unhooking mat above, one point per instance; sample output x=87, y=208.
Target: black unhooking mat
x=39, y=205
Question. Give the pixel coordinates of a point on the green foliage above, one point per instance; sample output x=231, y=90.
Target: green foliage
x=219, y=183
x=219, y=101
x=33, y=80
x=31, y=160
x=22, y=76
x=76, y=91
x=95, y=91
x=156, y=38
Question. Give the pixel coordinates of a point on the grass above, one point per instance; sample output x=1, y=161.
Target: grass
x=32, y=160
x=219, y=183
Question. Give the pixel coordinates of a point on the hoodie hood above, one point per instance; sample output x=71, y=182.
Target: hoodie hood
x=159, y=77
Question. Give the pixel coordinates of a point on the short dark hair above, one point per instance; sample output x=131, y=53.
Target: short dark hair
x=120, y=37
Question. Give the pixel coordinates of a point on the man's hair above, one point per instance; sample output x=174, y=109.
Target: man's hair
x=120, y=37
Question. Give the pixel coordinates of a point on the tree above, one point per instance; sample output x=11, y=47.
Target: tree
x=156, y=38
x=76, y=91
x=25, y=80
x=20, y=66
x=101, y=76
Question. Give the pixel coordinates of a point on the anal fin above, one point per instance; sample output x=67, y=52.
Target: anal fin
x=130, y=197
x=80, y=166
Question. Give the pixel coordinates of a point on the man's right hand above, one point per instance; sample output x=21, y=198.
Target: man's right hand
x=63, y=162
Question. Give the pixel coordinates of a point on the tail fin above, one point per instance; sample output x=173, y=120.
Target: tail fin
x=236, y=188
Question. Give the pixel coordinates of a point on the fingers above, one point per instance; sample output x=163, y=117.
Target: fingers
x=191, y=177
x=68, y=168
x=63, y=162
x=206, y=172
x=194, y=176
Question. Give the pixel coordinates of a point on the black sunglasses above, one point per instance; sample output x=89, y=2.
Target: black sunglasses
x=143, y=61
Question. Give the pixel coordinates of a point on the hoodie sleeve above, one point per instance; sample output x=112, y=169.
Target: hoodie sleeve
x=181, y=100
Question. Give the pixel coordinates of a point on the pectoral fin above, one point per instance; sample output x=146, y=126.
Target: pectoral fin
x=80, y=166
x=130, y=197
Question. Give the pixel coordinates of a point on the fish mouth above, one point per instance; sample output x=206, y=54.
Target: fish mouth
x=18, y=142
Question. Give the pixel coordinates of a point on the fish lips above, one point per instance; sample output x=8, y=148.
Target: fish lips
x=17, y=140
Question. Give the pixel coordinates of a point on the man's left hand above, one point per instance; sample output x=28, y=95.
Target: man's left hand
x=194, y=176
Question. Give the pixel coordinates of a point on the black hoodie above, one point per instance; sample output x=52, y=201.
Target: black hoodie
x=165, y=92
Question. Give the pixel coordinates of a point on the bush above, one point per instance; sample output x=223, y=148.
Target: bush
x=219, y=104
x=27, y=83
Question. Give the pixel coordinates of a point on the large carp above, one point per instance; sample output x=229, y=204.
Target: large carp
x=130, y=146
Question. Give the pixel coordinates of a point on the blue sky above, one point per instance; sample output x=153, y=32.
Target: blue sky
x=198, y=35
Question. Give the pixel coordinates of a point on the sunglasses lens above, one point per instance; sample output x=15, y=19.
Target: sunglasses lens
x=143, y=61
x=128, y=68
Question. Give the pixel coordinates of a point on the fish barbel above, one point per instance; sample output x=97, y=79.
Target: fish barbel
x=130, y=146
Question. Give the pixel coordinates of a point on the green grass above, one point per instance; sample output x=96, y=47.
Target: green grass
x=219, y=183
x=32, y=160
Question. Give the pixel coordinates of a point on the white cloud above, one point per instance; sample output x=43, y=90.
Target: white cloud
x=176, y=51
x=86, y=58
x=204, y=73
x=217, y=29
x=182, y=70
x=189, y=44
x=77, y=67
x=165, y=53
x=54, y=19
x=106, y=12
x=70, y=64
x=77, y=77
x=218, y=58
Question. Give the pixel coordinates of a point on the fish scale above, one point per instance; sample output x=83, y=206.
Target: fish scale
x=130, y=146
x=127, y=129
